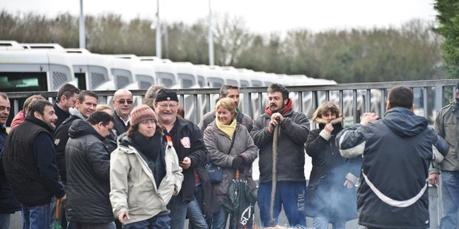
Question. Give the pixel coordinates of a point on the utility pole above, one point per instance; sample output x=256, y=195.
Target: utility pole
x=82, y=29
x=210, y=37
x=158, y=31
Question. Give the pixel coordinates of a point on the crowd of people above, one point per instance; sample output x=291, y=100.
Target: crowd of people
x=145, y=166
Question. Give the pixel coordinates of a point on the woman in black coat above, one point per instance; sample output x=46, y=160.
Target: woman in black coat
x=331, y=190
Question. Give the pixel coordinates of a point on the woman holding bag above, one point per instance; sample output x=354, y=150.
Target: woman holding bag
x=331, y=193
x=231, y=147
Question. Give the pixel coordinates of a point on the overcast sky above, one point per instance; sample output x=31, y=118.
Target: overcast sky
x=263, y=16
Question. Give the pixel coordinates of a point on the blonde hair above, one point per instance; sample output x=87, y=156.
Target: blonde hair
x=226, y=103
x=104, y=107
x=324, y=108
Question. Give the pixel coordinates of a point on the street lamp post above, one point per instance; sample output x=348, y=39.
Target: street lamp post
x=158, y=31
x=210, y=37
x=82, y=29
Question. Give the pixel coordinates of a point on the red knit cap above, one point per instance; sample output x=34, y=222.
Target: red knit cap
x=141, y=113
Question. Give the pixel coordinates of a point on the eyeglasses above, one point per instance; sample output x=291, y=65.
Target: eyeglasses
x=124, y=101
x=168, y=105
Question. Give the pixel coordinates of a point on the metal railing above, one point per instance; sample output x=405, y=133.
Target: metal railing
x=354, y=99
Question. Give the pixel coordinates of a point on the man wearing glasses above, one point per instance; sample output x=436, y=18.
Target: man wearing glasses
x=122, y=105
x=191, y=152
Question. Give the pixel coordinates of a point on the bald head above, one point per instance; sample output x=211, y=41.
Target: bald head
x=123, y=103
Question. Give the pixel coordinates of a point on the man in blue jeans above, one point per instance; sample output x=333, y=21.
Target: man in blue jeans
x=291, y=186
x=447, y=126
x=29, y=160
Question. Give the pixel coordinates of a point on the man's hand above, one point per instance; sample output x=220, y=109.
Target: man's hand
x=368, y=117
x=433, y=179
x=185, y=163
x=348, y=184
x=276, y=119
x=123, y=216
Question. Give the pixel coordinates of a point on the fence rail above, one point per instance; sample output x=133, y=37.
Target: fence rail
x=353, y=99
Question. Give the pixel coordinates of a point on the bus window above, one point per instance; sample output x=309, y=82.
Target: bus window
x=166, y=79
x=232, y=82
x=99, y=75
x=60, y=75
x=244, y=83
x=215, y=82
x=122, y=78
x=23, y=81
x=201, y=81
x=81, y=80
x=187, y=80
x=144, y=81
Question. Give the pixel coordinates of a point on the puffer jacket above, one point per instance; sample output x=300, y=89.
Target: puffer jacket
x=218, y=144
x=293, y=135
x=88, y=175
x=132, y=184
x=327, y=196
x=396, y=152
x=448, y=127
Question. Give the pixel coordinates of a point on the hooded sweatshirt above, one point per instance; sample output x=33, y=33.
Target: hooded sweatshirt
x=396, y=152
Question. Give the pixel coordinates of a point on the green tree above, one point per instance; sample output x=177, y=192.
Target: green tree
x=449, y=29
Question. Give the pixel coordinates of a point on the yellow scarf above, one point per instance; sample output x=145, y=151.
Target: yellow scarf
x=227, y=129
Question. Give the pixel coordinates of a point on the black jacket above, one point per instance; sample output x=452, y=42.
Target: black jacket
x=196, y=151
x=327, y=195
x=8, y=202
x=30, y=164
x=396, y=152
x=88, y=175
x=293, y=135
x=61, y=136
x=119, y=125
x=61, y=115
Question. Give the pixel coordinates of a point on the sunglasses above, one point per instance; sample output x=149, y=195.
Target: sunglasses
x=124, y=101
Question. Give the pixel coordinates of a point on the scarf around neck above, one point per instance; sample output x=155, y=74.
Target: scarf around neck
x=283, y=111
x=227, y=129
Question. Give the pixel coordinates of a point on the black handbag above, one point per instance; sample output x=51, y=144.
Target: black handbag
x=216, y=172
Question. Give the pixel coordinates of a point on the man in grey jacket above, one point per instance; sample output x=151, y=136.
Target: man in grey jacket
x=232, y=92
x=291, y=183
x=448, y=127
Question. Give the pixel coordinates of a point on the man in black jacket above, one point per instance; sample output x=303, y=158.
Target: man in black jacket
x=30, y=165
x=8, y=203
x=84, y=107
x=396, y=151
x=88, y=173
x=191, y=152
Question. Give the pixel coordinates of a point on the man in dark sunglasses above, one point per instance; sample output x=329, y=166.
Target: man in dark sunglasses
x=122, y=106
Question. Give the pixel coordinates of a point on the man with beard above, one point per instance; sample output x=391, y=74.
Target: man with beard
x=122, y=106
x=8, y=203
x=30, y=165
x=291, y=183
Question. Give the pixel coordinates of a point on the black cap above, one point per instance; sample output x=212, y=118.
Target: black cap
x=166, y=95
